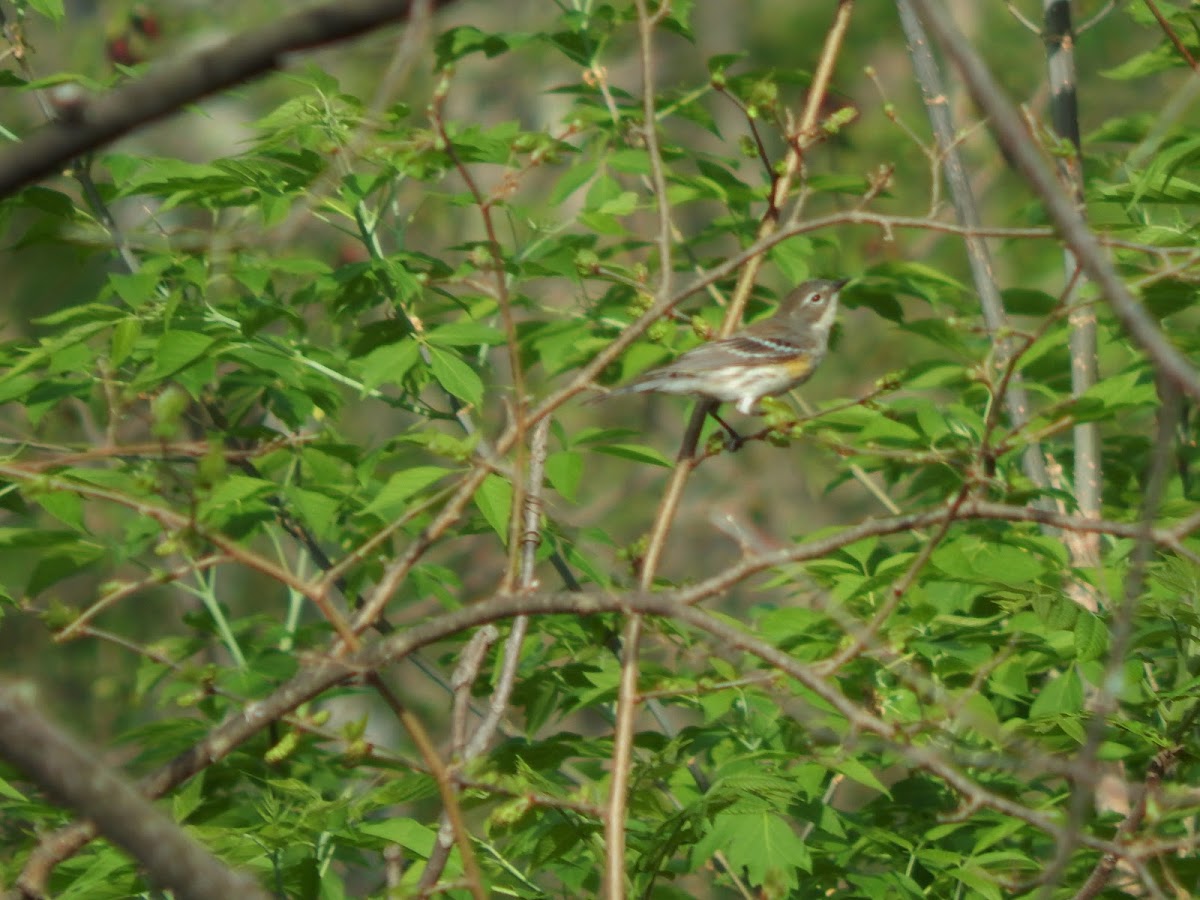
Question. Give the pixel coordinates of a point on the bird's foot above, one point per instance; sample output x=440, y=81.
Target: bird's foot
x=733, y=440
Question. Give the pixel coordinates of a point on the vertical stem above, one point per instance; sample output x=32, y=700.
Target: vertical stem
x=627, y=700
x=1064, y=115
x=686, y=460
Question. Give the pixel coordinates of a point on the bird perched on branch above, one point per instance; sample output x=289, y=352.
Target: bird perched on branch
x=764, y=359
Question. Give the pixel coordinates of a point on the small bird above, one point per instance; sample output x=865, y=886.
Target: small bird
x=764, y=359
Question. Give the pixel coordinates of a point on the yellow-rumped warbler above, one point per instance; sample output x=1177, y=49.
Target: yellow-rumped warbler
x=767, y=358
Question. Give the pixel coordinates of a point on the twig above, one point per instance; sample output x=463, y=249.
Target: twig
x=899, y=588
x=1180, y=47
x=686, y=458
x=467, y=750
x=504, y=301
x=1097, y=17
x=1021, y=17
x=420, y=737
x=172, y=521
x=627, y=691
x=128, y=589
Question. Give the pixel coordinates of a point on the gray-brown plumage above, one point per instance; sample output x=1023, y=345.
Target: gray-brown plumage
x=764, y=359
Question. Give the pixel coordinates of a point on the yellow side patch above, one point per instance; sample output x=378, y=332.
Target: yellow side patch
x=800, y=366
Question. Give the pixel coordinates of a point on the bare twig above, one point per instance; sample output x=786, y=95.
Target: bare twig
x=1097, y=17
x=446, y=788
x=1121, y=632
x=496, y=252
x=627, y=691
x=531, y=537
x=1179, y=46
x=468, y=750
x=1021, y=17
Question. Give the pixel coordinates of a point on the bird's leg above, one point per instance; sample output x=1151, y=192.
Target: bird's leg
x=733, y=441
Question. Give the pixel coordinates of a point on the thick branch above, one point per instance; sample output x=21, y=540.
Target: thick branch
x=73, y=775
x=171, y=86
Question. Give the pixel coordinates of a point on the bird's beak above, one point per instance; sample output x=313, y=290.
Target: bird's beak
x=838, y=285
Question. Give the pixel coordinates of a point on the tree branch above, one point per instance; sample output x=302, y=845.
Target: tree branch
x=73, y=775
x=169, y=87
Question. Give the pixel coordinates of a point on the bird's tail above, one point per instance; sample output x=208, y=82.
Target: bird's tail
x=606, y=393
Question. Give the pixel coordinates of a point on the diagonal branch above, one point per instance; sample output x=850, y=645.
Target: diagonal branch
x=168, y=88
x=74, y=775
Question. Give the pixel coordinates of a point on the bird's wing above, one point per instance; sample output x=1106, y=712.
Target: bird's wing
x=739, y=350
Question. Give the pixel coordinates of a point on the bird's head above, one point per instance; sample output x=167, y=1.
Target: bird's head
x=814, y=302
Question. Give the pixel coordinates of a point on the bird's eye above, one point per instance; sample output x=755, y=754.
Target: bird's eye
x=815, y=298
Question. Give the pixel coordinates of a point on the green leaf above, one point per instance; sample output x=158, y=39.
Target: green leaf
x=465, y=334
x=88, y=312
x=407, y=833
x=455, y=376
x=62, y=562
x=564, y=469
x=971, y=559
x=389, y=363
x=136, y=289
x=124, y=336
x=64, y=506
x=572, y=180
x=390, y=500
x=239, y=488
x=793, y=256
x=188, y=798
x=1061, y=696
x=1160, y=59
x=317, y=510
x=762, y=843
x=856, y=771
x=7, y=790
x=494, y=499
x=176, y=351
x=1091, y=637
x=621, y=205
x=636, y=452
x=51, y=9
x=52, y=347
x=455, y=43
x=979, y=882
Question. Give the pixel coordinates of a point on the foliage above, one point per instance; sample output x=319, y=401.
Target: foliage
x=304, y=401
